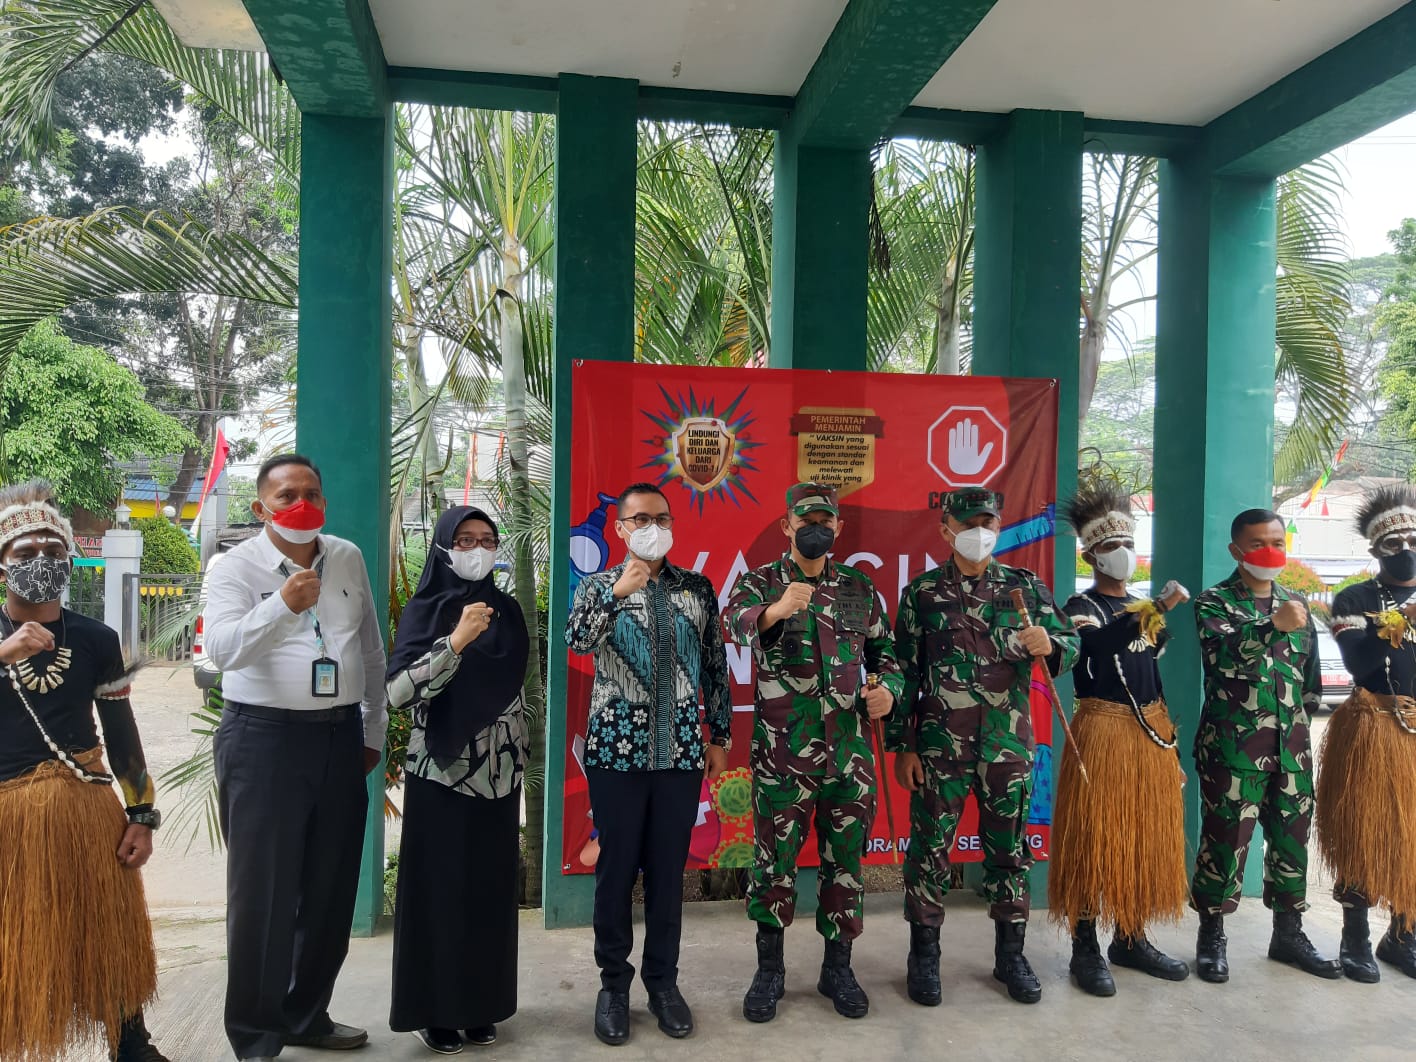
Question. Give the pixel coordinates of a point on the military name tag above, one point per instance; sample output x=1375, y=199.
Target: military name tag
x=324, y=678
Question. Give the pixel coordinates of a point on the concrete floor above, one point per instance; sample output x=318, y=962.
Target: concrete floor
x=1267, y=1011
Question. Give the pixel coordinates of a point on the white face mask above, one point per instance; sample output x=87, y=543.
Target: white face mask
x=1120, y=563
x=474, y=565
x=651, y=543
x=976, y=544
x=299, y=538
x=1263, y=575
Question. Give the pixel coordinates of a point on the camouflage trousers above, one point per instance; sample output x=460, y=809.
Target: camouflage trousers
x=1003, y=790
x=1232, y=801
x=785, y=806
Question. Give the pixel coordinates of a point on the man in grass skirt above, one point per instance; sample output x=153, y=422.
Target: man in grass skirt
x=76, y=953
x=1118, y=841
x=1366, y=813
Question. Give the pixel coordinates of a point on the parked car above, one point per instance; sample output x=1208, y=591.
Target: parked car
x=203, y=673
x=1337, y=683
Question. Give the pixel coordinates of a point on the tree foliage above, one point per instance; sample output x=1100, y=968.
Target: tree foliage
x=68, y=413
x=166, y=548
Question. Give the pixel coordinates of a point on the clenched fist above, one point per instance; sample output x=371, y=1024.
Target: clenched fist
x=302, y=590
x=1289, y=616
x=634, y=577
x=793, y=600
x=878, y=702
x=1035, y=640
x=909, y=770
x=29, y=639
x=1172, y=594
x=475, y=619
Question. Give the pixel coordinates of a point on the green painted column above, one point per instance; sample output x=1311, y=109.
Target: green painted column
x=1027, y=276
x=1214, y=405
x=344, y=368
x=596, y=160
x=820, y=257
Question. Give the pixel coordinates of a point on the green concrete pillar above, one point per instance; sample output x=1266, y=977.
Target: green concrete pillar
x=820, y=257
x=1027, y=274
x=1214, y=406
x=344, y=368
x=820, y=282
x=596, y=159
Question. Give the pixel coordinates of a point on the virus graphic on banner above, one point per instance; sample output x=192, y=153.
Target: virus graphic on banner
x=707, y=451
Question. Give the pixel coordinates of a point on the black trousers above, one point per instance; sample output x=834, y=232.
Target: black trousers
x=644, y=819
x=292, y=800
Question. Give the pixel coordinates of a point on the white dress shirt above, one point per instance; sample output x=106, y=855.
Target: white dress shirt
x=265, y=652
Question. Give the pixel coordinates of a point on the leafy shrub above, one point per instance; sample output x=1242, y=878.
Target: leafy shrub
x=1301, y=578
x=166, y=548
x=1351, y=580
x=1142, y=573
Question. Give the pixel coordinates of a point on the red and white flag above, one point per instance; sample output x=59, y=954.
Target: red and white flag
x=219, y=454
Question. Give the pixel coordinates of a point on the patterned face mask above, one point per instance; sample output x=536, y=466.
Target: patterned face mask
x=39, y=579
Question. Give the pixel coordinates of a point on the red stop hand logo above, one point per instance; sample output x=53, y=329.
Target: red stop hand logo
x=967, y=446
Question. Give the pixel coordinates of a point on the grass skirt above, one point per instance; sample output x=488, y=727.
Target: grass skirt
x=76, y=951
x=1366, y=800
x=1118, y=843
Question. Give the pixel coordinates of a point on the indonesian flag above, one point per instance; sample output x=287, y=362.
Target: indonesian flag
x=219, y=453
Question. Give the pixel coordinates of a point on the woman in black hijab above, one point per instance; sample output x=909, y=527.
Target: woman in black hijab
x=459, y=660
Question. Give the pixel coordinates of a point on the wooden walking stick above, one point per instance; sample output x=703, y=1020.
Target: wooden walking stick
x=1022, y=608
x=877, y=727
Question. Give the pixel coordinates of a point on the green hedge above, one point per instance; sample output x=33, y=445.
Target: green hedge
x=166, y=547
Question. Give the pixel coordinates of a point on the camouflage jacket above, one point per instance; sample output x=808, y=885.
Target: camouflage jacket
x=1260, y=684
x=966, y=675
x=810, y=668
x=655, y=652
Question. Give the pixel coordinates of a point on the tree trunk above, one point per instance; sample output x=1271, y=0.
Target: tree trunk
x=186, y=476
x=947, y=354
x=410, y=347
x=513, y=358
x=1093, y=342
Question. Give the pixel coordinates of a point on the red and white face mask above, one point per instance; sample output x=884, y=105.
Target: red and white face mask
x=1264, y=564
x=299, y=524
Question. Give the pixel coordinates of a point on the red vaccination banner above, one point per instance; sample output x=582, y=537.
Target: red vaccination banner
x=724, y=445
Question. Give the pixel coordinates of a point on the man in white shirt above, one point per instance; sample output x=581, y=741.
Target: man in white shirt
x=291, y=624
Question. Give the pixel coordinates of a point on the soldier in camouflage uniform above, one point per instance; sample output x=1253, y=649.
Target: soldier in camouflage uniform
x=964, y=725
x=1252, y=752
x=813, y=626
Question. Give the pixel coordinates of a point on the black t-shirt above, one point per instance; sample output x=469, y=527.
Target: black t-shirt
x=1109, y=633
x=1372, y=661
x=67, y=712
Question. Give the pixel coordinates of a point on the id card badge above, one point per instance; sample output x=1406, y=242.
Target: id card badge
x=324, y=678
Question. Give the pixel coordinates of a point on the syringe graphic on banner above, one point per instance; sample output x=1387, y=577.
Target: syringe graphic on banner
x=1026, y=532
x=589, y=550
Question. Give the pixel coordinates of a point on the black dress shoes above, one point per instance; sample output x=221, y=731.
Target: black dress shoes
x=612, y=1017
x=675, y=1019
x=443, y=1041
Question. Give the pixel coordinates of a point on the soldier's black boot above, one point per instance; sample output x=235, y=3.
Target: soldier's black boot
x=1355, y=953
x=1138, y=953
x=838, y=982
x=135, y=1043
x=1009, y=964
x=922, y=968
x=1398, y=947
x=1211, y=959
x=1291, y=945
x=1087, y=966
x=769, y=984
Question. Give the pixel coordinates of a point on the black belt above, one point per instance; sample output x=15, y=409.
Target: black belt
x=339, y=714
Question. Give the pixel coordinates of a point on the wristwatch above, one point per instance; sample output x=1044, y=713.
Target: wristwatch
x=151, y=818
x=724, y=743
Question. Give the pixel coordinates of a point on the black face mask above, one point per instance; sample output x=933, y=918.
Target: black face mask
x=814, y=540
x=1400, y=567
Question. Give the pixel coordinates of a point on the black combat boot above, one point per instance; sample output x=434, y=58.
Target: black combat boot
x=135, y=1043
x=922, y=968
x=1291, y=945
x=1009, y=964
x=1088, y=967
x=838, y=982
x=1355, y=954
x=1398, y=947
x=769, y=984
x=1211, y=958
x=1138, y=953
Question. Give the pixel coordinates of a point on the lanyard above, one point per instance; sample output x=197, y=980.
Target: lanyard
x=313, y=610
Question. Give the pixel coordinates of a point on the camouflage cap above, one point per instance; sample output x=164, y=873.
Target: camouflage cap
x=803, y=498
x=968, y=502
